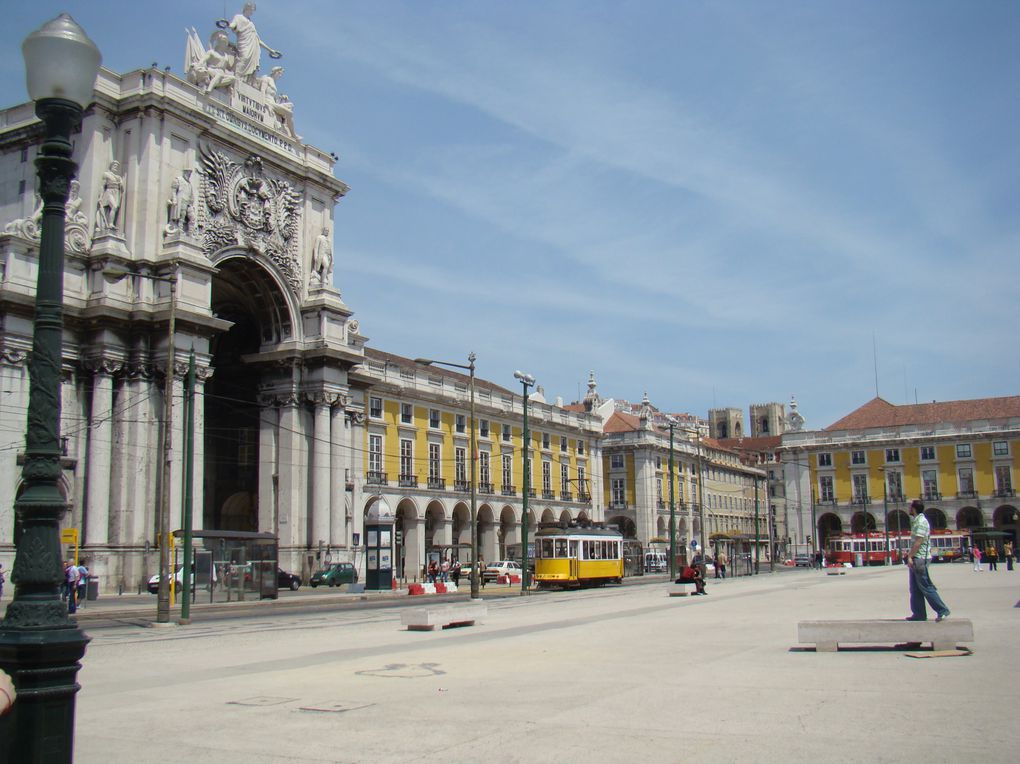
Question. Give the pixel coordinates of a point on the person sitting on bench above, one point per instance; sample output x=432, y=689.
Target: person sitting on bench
x=691, y=574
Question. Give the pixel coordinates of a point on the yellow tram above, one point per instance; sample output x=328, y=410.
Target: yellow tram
x=578, y=557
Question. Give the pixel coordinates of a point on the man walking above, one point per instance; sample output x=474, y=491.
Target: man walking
x=921, y=586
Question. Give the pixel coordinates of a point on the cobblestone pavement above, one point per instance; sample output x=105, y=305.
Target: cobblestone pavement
x=611, y=675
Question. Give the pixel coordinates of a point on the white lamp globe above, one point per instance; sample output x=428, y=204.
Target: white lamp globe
x=61, y=62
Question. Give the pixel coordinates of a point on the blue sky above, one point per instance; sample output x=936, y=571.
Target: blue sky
x=721, y=203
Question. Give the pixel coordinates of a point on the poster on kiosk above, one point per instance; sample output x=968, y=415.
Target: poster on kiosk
x=379, y=546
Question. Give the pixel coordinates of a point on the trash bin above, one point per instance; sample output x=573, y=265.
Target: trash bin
x=92, y=589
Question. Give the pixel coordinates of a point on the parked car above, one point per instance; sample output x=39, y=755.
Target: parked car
x=802, y=560
x=501, y=568
x=334, y=575
x=285, y=580
x=153, y=585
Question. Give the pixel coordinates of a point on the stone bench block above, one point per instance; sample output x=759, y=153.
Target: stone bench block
x=444, y=616
x=682, y=590
x=828, y=635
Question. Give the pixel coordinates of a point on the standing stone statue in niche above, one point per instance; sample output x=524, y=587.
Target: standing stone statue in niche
x=110, y=199
x=322, y=260
x=281, y=106
x=181, y=205
x=249, y=45
x=74, y=215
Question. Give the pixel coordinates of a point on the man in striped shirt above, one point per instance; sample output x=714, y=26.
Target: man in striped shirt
x=921, y=586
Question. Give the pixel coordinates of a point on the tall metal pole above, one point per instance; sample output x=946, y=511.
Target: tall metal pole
x=757, y=547
x=163, y=526
x=885, y=507
x=701, y=490
x=474, y=507
x=672, y=507
x=40, y=645
x=526, y=381
x=187, y=580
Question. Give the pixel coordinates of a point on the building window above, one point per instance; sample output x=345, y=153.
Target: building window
x=582, y=486
x=461, y=423
x=658, y=490
x=824, y=460
x=892, y=455
x=484, y=468
x=966, y=481
x=963, y=450
x=619, y=492
x=894, y=485
x=483, y=428
x=406, y=458
x=434, y=418
x=375, y=453
x=580, y=446
x=658, y=462
x=375, y=408
x=930, y=483
x=545, y=441
x=406, y=413
x=858, y=457
x=860, y=489
x=435, y=462
x=563, y=443
x=1000, y=448
x=1003, y=481
x=508, y=471
x=564, y=478
x=546, y=477
x=616, y=461
x=927, y=453
x=460, y=465
x=506, y=432
x=825, y=488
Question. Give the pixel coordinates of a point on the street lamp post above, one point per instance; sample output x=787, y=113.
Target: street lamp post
x=526, y=381
x=40, y=646
x=885, y=510
x=113, y=275
x=672, y=505
x=470, y=366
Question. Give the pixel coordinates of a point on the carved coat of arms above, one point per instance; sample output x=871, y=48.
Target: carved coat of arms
x=247, y=208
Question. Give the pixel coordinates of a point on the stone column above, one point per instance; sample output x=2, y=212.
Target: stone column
x=100, y=453
x=319, y=506
x=291, y=475
x=339, y=457
x=269, y=458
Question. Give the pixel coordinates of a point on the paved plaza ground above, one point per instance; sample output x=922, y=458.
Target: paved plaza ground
x=621, y=674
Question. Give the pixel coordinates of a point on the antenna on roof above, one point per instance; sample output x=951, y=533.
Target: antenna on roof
x=874, y=355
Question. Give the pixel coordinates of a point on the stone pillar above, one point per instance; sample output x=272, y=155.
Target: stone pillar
x=100, y=453
x=269, y=465
x=319, y=506
x=339, y=458
x=290, y=470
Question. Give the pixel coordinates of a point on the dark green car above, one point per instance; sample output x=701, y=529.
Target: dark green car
x=334, y=575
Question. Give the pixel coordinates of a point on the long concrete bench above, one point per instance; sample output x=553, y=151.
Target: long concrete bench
x=681, y=590
x=444, y=616
x=827, y=636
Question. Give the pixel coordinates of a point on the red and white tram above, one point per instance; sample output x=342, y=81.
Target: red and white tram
x=946, y=546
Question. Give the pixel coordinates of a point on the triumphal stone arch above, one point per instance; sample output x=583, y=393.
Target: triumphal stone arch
x=197, y=206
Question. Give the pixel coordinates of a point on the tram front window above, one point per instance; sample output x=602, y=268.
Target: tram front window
x=561, y=547
x=546, y=548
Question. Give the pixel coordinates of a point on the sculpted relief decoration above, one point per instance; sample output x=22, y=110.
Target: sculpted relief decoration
x=248, y=209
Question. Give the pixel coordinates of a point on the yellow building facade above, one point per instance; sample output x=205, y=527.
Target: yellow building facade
x=959, y=457
x=416, y=457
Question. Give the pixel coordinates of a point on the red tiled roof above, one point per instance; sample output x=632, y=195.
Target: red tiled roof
x=577, y=408
x=763, y=443
x=620, y=422
x=880, y=413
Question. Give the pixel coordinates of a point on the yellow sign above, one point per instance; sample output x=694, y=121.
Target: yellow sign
x=69, y=536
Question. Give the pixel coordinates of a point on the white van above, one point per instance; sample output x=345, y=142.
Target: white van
x=656, y=562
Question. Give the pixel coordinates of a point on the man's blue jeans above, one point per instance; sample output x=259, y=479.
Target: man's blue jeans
x=921, y=589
